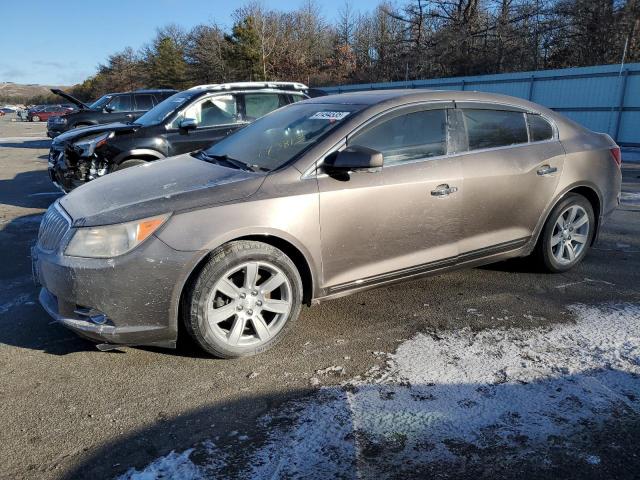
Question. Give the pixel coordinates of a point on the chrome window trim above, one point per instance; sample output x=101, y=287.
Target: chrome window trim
x=309, y=173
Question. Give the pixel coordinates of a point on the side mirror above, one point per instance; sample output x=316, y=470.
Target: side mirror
x=355, y=158
x=187, y=124
x=109, y=109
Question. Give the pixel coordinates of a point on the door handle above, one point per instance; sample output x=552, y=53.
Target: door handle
x=129, y=115
x=547, y=170
x=443, y=190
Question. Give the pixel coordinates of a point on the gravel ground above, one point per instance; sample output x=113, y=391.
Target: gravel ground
x=70, y=411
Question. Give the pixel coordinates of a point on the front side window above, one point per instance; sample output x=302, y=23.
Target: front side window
x=407, y=137
x=121, y=103
x=494, y=128
x=257, y=105
x=211, y=112
x=539, y=128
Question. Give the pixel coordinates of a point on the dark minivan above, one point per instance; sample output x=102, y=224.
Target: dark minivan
x=112, y=107
x=185, y=122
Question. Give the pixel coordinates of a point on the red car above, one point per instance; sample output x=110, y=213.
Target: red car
x=42, y=115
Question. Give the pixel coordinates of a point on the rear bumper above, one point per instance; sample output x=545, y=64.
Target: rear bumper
x=138, y=293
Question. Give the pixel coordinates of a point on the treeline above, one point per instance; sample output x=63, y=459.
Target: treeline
x=416, y=39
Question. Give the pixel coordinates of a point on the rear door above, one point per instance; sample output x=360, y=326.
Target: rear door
x=402, y=219
x=511, y=168
x=216, y=117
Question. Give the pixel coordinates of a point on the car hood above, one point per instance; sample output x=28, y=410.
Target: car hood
x=72, y=99
x=163, y=186
x=77, y=133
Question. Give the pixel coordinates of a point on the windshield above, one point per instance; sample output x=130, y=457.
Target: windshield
x=276, y=138
x=165, y=108
x=100, y=103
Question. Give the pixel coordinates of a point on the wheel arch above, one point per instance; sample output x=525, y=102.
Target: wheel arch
x=590, y=192
x=138, y=153
x=288, y=248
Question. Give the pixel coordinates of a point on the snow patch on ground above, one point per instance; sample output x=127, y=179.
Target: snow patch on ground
x=455, y=397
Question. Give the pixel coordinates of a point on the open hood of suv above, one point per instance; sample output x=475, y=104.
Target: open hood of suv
x=72, y=99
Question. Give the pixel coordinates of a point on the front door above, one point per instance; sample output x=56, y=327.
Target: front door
x=402, y=219
x=510, y=174
x=216, y=117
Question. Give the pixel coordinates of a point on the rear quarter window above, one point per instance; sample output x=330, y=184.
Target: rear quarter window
x=494, y=128
x=539, y=128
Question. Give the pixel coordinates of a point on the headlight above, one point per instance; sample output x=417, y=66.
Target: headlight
x=88, y=145
x=112, y=240
x=59, y=120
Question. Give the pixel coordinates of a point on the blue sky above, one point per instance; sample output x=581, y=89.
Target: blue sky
x=61, y=42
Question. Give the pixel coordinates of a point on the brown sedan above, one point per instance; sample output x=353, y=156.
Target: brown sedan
x=316, y=200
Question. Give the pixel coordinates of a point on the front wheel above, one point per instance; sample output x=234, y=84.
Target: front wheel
x=132, y=162
x=35, y=118
x=567, y=234
x=244, y=300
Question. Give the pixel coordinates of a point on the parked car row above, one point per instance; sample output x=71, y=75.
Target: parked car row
x=183, y=122
x=321, y=198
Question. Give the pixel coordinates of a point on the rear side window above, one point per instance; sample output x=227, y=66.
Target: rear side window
x=257, y=105
x=539, y=128
x=494, y=128
x=121, y=103
x=403, y=138
x=144, y=102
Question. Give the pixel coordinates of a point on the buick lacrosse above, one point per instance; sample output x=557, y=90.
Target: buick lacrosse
x=320, y=199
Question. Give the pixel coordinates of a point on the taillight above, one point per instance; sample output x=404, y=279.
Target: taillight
x=617, y=156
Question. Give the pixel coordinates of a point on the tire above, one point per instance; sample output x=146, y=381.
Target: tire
x=553, y=245
x=240, y=321
x=35, y=118
x=133, y=162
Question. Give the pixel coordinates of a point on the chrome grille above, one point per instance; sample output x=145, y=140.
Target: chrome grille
x=53, y=227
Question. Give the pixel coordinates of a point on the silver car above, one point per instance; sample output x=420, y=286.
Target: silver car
x=317, y=200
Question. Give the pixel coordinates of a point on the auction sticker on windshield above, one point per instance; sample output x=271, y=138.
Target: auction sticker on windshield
x=329, y=115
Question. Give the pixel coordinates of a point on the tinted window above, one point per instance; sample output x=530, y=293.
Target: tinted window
x=407, y=137
x=144, y=102
x=539, y=128
x=165, y=108
x=121, y=103
x=494, y=128
x=296, y=97
x=259, y=104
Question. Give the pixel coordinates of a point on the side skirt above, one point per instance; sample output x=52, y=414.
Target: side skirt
x=481, y=256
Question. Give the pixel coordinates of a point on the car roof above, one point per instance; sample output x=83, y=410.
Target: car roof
x=402, y=96
x=293, y=86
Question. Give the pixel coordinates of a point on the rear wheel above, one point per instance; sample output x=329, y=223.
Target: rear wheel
x=567, y=234
x=244, y=300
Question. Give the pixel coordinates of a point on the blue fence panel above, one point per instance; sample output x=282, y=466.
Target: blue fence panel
x=603, y=98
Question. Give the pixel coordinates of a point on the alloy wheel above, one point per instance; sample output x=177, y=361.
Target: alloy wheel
x=249, y=304
x=570, y=234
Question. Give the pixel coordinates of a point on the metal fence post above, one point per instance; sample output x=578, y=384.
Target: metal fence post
x=623, y=91
x=532, y=79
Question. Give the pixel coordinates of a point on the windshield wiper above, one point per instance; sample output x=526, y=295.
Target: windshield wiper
x=232, y=161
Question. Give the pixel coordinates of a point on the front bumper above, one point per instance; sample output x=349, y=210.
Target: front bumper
x=138, y=293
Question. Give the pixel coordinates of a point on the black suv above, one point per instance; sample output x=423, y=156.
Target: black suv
x=185, y=122
x=112, y=107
